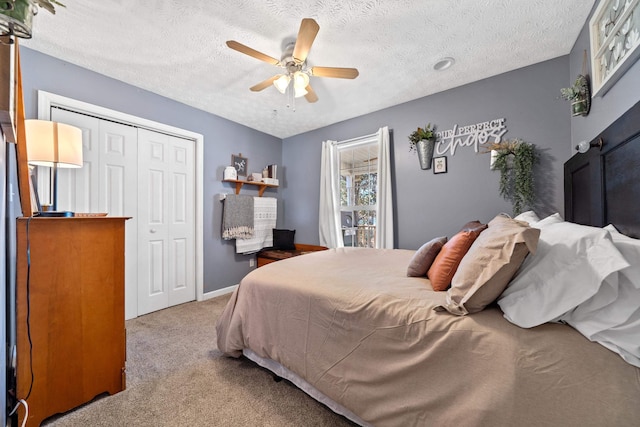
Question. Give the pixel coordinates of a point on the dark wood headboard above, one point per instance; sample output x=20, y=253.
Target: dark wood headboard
x=603, y=186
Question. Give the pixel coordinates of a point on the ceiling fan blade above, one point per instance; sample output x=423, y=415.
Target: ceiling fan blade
x=311, y=95
x=265, y=84
x=340, y=73
x=306, y=35
x=251, y=52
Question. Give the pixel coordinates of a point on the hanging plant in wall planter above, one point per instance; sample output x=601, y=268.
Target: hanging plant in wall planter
x=16, y=16
x=423, y=141
x=579, y=94
x=515, y=160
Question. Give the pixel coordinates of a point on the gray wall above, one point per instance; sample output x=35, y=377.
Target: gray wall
x=222, y=267
x=429, y=205
x=426, y=205
x=604, y=109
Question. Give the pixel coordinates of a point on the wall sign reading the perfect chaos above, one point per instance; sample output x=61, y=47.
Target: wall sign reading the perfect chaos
x=470, y=136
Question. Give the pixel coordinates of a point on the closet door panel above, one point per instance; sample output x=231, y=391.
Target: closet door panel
x=153, y=268
x=166, y=184
x=118, y=165
x=106, y=183
x=118, y=195
x=182, y=220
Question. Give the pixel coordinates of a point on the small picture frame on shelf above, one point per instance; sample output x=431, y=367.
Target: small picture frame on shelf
x=440, y=164
x=240, y=163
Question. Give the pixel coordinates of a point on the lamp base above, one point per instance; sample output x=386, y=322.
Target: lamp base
x=55, y=214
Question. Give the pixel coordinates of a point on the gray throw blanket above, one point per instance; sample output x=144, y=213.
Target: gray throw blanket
x=237, y=217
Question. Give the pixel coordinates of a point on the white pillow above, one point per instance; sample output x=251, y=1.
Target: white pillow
x=628, y=357
x=569, y=266
x=596, y=315
x=615, y=324
x=610, y=228
x=630, y=249
x=624, y=337
x=551, y=219
x=528, y=216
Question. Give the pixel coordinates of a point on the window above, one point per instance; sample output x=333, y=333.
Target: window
x=356, y=197
x=358, y=193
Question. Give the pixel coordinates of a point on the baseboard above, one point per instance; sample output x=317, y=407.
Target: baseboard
x=219, y=292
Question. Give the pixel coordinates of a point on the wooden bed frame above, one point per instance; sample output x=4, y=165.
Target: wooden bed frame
x=603, y=186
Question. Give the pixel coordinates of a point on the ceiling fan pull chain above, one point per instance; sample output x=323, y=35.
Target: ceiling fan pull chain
x=293, y=98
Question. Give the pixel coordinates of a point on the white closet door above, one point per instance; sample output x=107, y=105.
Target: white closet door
x=149, y=177
x=118, y=196
x=105, y=183
x=78, y=189
x=166, y=228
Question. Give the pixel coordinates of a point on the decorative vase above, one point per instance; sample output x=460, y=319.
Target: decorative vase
x=16, y=17
x=425, y=152
x=230, y=173
x=579, y=107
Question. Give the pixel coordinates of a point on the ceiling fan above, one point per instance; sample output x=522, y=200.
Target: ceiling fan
x=294, y=63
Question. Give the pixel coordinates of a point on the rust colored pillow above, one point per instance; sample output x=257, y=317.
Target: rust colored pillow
x=446, y=263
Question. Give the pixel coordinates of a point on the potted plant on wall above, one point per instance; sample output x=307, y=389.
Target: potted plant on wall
x=423, y=140
x=515, y=160
x=16, y=16
x=579, y=95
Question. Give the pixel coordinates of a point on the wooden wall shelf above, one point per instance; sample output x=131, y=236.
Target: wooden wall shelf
x=261, y=185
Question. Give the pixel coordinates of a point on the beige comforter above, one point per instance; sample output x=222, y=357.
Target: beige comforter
x=356, y=328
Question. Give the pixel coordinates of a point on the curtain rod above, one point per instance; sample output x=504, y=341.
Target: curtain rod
x=346, y=141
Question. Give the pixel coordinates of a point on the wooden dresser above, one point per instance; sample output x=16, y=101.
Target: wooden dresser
x=74, y=302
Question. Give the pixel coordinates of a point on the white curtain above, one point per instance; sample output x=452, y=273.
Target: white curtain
x=329, y=216
x=384, y=214
x=329, y=226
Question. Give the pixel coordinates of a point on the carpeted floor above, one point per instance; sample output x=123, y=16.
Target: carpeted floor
x=176, y=376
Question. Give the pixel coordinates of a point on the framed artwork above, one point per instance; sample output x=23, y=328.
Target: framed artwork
x=614, y=32
x=240, y=163
x=440, y=164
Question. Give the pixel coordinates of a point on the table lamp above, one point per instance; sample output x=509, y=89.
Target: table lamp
x=55, y=145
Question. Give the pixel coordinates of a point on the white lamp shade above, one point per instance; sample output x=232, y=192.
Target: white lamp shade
x=281, y=83
x=52, y=142
x=300, y=83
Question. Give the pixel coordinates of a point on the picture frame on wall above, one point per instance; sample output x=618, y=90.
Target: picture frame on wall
x=240, y=163
x=440, y=164
x=614, y=39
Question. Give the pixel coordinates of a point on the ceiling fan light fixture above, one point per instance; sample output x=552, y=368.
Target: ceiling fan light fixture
x=281, y=83
x=300, y=83
x=300, y=79
x=299, y=92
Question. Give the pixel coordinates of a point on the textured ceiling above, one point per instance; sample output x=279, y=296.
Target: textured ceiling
x=176, y=48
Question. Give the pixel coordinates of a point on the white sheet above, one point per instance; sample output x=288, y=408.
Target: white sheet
x=303, y=385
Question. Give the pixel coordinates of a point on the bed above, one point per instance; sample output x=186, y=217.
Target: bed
x=350, y=328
